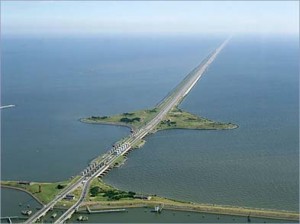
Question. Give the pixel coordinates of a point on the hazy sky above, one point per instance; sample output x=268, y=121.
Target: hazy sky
x=97, y=17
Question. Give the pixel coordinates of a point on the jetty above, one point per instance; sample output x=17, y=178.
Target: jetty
x=105, y=210
x=10, y=218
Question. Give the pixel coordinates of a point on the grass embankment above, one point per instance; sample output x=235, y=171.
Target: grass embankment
x=180, y=119
x=119, y=161
x=175, y=119
x=104, y=196
x=101, y=192
x=139, y=144
x=133, y=120
x=48, y=190
x=69, y=203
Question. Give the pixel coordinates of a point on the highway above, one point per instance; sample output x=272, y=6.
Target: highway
x=97, y=168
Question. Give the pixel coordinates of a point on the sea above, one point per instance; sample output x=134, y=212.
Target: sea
x=254, y=83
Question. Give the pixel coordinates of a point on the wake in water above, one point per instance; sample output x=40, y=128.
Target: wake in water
x=7, y=106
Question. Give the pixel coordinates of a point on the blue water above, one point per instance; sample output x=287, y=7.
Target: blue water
x=14, y=202
x=254, y=83
x=54, y=82
x=144, y=215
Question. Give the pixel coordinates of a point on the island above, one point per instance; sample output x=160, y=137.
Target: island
x=175, y=119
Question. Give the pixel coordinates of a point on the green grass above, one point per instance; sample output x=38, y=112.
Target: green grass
x=107, y=192
x=103, y=200
x=110, y=197
x=120, y=160
x=48, y=190
x=176, y=118
x=133, y=119
x=67, y=203
x=139, y=144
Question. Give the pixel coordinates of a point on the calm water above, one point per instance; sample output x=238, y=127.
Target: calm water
x=54, y=82
x=254, y=83
x=16, y=201
x=13, y=202
x=144, y=215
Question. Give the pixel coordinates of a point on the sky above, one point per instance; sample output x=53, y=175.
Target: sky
x=161, y=17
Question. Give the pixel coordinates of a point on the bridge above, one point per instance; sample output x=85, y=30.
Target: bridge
x=97, y=168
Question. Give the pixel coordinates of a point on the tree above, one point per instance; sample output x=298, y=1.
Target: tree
x=94, y=191
x=125, y=119
x=131, y=194
x=60, y=186
x=136, y=119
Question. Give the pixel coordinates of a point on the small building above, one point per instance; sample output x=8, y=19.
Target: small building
x=144, y=197
x=25, y=182
x=69, y=197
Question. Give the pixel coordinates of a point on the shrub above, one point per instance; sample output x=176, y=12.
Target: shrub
x=60, y=186
x=128, y=120
x=95, y=191
x=128, y=114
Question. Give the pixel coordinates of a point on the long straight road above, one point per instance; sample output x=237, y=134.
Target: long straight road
x=98, y=168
